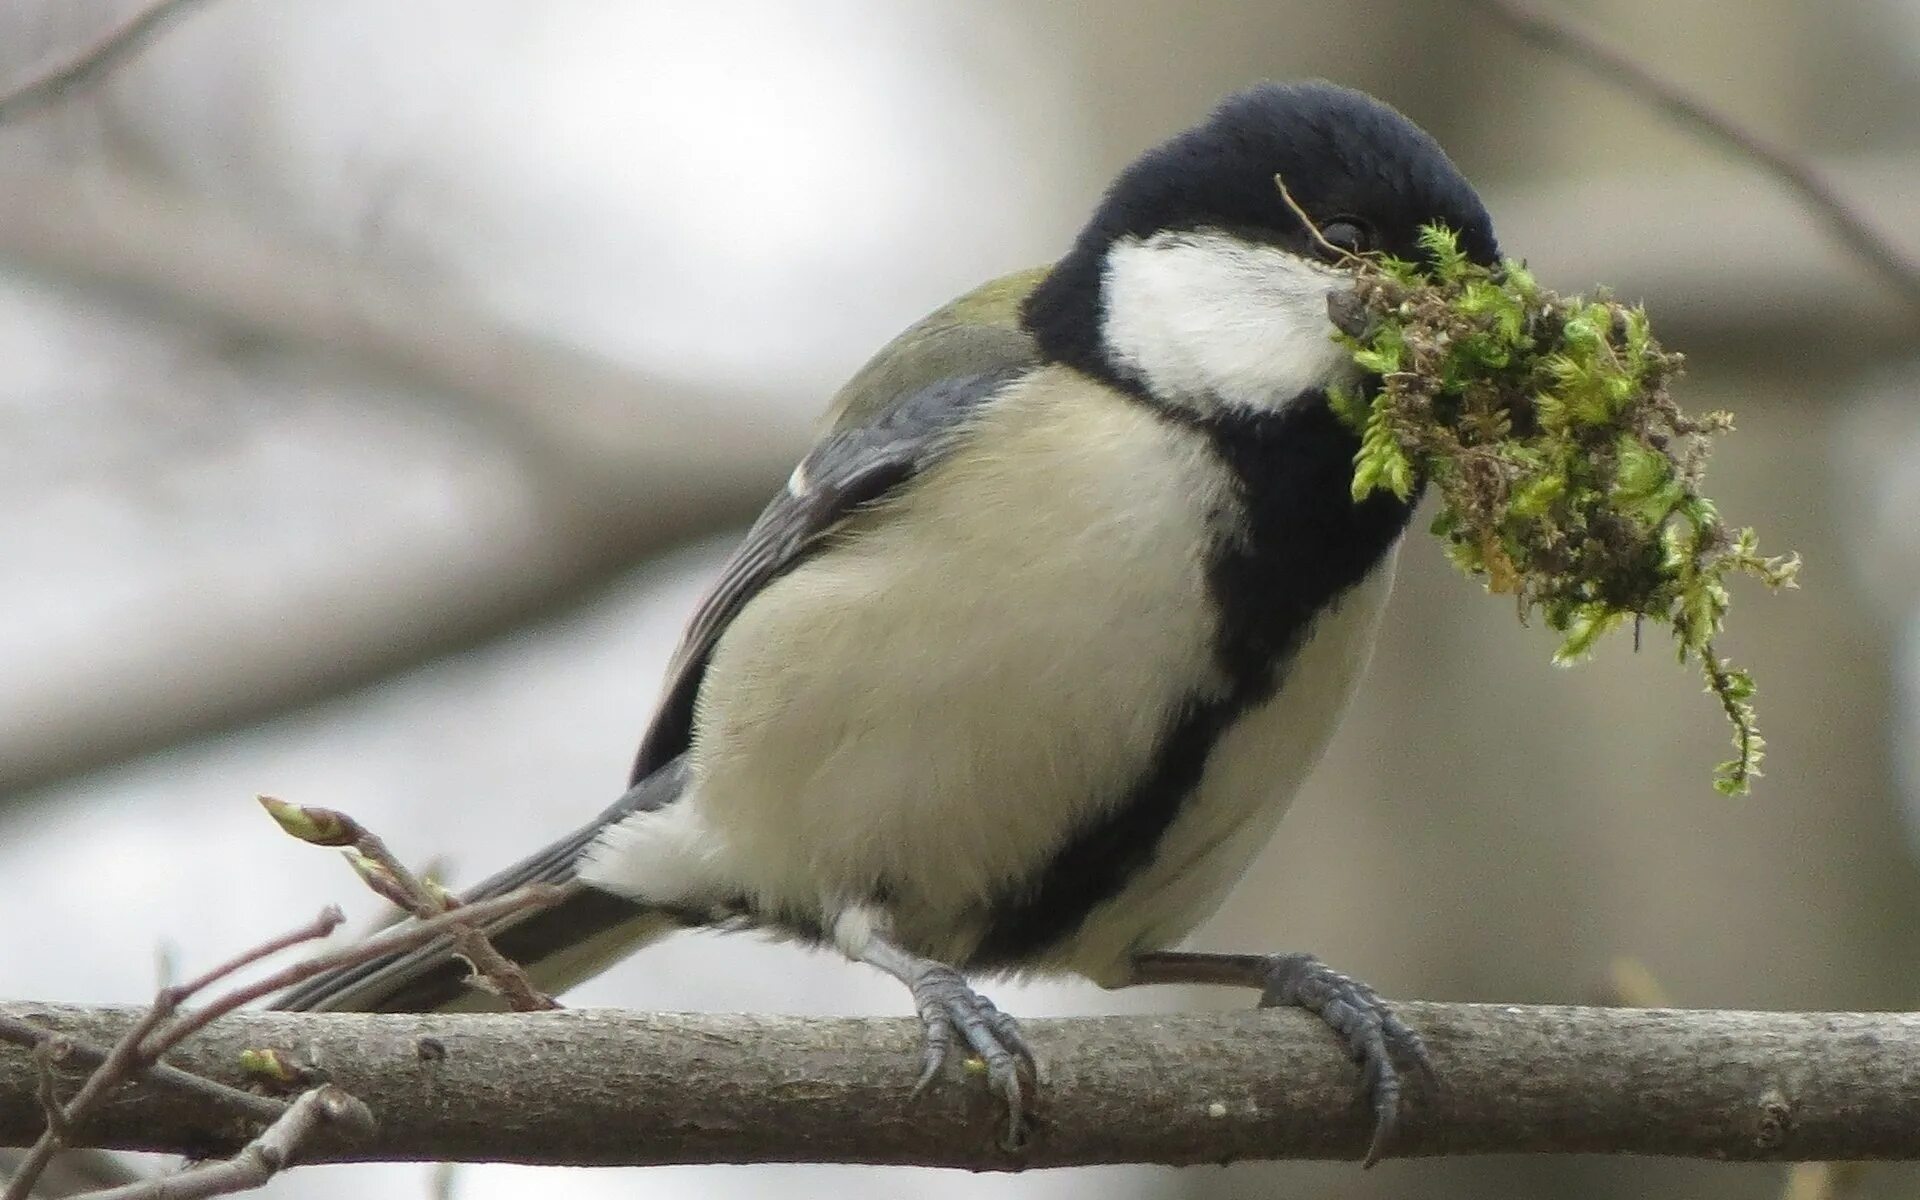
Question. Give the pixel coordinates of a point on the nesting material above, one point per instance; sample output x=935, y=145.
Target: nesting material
x=1567, y=476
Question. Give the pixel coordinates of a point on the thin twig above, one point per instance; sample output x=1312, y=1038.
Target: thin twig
x=501, y=973
x=1549, y=30
x=1313, y=227
x=330, y=919
x=382, y=871
x=162, y=1027
x=262, y=1158
x=46, y=1054
x=133, y=1052
x=532, y=897
x=114, y=1068
x=51, y=85
x=260, y=1108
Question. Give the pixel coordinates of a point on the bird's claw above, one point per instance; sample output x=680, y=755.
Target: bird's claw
x=1373, y=1034
x=949, y=1005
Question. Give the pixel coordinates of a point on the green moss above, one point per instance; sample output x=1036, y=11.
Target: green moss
x=1567, y=476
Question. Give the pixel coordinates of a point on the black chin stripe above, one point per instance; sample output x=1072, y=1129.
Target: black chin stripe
x=1295, y=543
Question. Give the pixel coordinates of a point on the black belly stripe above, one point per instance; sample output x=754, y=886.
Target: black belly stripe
x=1296, y=543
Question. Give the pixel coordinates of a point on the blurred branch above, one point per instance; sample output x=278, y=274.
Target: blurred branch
x=571, y=1087
x=1545, y=28
x=1747, y=276
x=262, y=1158
x=50, y=85
x=624, y=465
x=1632, y=983
x=1819, y=1181
x=73, y=1173
x=445, y=1182
x=595, y=427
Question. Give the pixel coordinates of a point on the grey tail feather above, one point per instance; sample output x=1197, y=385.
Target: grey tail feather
x=559, y=946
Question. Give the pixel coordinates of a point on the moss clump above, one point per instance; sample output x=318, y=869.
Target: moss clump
x=1567, y=476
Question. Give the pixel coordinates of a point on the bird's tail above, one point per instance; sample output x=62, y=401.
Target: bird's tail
x=558, y=946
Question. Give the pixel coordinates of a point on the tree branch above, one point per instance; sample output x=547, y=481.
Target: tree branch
x=610, y=1088
x=51, y=85
x=263, y=1157
x=1537, y=24
x=27, y=1034
x=624, y=465
x=139, y=1046
x=163, y=1026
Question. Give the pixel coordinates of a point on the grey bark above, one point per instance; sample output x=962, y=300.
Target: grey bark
x=613, y=1088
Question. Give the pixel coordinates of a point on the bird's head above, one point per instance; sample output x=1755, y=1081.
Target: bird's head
x=1198, y=285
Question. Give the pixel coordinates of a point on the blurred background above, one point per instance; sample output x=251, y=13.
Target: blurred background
x=380, y=382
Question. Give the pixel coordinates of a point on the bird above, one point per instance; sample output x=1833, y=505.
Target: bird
x=1027, y=660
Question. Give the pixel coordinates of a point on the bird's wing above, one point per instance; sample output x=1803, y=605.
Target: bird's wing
x=891, y=421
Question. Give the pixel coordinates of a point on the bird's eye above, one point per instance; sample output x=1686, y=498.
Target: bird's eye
x=1348, y=234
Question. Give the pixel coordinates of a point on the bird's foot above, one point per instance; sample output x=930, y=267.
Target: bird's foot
x=1374, y=1036
x=948, y=1005
x=949, y=1009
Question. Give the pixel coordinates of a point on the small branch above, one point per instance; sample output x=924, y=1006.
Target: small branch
x=132, y=1053
x=590, y=1087
x=330, y=919
x=54, y=84
x=530, y=898
x=261, y=1108
x=158, y=1030
x=500, y=973
x=263, y=1157
x=46, y=1053
x=390, y=879
x=1539, y=25
x=116, y=1065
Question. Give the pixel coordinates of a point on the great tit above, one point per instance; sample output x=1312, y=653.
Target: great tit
x=1026, y=662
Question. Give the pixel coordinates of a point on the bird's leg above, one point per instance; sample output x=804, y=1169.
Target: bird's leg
x=948, y=1005
x=1354, y=1011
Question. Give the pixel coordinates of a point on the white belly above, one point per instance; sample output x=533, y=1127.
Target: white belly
x=915, y=720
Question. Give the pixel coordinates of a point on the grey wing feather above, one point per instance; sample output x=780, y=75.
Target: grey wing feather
x=851, y=467
x=892, y=418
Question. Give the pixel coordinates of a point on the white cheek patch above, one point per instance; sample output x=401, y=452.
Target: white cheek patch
x=1205, y=318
